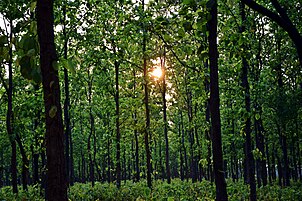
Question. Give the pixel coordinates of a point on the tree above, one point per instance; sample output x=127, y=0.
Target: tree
x=56, y=188
x=221, y=193
x=250, y=162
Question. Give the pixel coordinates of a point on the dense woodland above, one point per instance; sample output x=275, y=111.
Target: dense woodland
x=151, y=100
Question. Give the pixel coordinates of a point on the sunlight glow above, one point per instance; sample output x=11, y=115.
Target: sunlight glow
x=157, y=72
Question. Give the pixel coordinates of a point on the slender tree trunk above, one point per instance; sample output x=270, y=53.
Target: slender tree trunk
x=168, y=171
x=137, y=166
x=208, y=130
x=269, y=168
x=147, y=110
x=67, y=101
x=280, y=111
x=221, y=193
x=25, y=163
x=72, y=176
x=56, y=169
x=1, y=168
x=9, y=114
x=250, y=162
x=117, y=126
x=181, y=149
x=273, y=163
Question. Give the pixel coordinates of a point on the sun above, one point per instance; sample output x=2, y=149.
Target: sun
x=157, y=72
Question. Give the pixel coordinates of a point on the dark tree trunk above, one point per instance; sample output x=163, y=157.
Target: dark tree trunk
x=137, y=169
x=66, y=102
x=181, y=149
x=269, y=168
x=71, y=181
x=208, y=130
x=117, y=126
x=1, y=169
x=43, y=171
x=147, y=110
x=221, y=193
x=273, y=163
x=167, y=157
x=25, y=164
x=280, y=110
x=250, y=162
x=56, y=170
x=9, y=115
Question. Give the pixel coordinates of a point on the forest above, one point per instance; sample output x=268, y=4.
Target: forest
x=150, y=100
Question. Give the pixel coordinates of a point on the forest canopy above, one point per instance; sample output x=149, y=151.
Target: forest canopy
x=150, y=99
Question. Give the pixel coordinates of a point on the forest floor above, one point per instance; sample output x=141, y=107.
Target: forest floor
x=176, y=191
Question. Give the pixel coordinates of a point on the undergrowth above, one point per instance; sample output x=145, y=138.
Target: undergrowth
x=176, y=191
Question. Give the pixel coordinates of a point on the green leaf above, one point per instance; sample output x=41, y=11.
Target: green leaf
x=187, y=2
x=69, y=65
x=31, y=52
x=257, y=116
x=29, y=43
x=33, y=6
x=25, y=67
x=55, y=65
x=170, y=199
x=36, y=75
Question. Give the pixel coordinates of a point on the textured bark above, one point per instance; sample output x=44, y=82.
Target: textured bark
x=56, y=170
x=221, y=193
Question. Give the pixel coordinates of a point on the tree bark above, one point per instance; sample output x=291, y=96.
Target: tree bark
x=221, y=192
x=56, y=170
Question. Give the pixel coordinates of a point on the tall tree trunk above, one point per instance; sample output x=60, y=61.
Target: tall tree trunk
x=9, y=117
x=117, y=126
x=221, y=193
x=208, y=130
x=167, y=157
x=137, y=169
x=67, y=101
x=280, y=111
x=250, y=162
x=56, y=170
x=181, y=148
x=147, y=109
